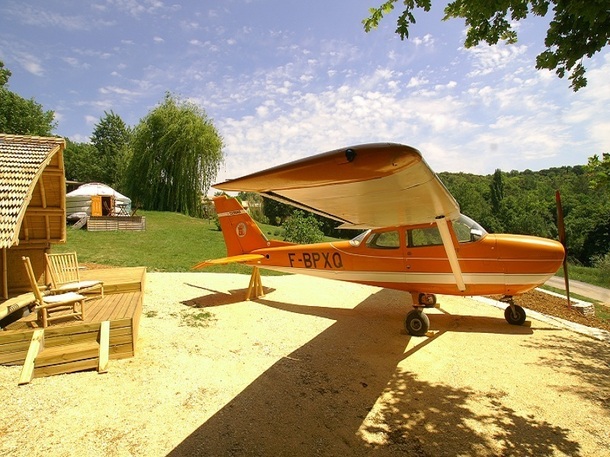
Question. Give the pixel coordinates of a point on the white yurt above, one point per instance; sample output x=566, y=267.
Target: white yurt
x=96, y=199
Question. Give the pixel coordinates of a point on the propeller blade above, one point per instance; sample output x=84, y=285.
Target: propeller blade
x=562, y=239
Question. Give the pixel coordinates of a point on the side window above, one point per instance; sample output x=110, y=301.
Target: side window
x=384, y=240
x=462, y=232
x=428, y=236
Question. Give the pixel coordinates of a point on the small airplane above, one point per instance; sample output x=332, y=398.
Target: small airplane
x=416, y=240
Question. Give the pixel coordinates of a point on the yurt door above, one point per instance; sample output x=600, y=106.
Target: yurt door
x=96, y=205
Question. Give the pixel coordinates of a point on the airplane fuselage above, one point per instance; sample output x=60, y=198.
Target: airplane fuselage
x=413, y=259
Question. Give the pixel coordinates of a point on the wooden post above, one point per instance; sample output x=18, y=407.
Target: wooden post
x=102, y=366
x=4, y=275
x=36, y=345
x=256, y=285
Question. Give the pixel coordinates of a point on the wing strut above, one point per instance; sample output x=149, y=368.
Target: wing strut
x=443, y=229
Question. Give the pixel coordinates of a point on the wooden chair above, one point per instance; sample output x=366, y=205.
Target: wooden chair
x=65, y=276
x=52, y=307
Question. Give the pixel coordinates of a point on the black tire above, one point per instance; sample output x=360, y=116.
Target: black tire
x=514, y=315
x=417, y=323
x=427, y=300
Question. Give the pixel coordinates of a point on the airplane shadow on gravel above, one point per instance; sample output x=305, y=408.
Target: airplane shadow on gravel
x=315, y=401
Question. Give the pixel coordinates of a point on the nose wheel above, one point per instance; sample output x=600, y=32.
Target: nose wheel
x=514, y=314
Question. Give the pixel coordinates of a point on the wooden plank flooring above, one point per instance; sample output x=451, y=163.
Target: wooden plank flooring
x=109, y=308
x=121, y=306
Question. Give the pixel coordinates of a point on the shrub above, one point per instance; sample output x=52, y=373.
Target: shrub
x=303, y=229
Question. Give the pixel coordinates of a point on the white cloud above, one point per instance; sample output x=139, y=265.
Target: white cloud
x=30, y=63
x=487, y=59
x=426, y=40
x=417, y=81
x=75, y=63
x=137, y=7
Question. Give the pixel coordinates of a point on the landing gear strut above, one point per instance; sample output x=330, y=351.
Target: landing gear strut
x=514, y=314
x=427, y=300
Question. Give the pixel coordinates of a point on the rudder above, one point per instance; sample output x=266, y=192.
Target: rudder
x=239, y=230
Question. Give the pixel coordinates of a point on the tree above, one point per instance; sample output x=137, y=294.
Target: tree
x=302, y=228
x=276, y=212
x=577, y=29
x=599, y=171
x=254, y=206
x=111, y=141
x=5, y=74
x=20, y=116
x=176, y=153
x=81, y=162
x=496, y=191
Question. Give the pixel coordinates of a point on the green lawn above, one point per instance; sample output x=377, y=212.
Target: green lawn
x=589, y=275
x=171, y=242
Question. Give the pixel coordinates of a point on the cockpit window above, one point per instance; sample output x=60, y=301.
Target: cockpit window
x=384, y=240
x=427, y=236
x=466, y=230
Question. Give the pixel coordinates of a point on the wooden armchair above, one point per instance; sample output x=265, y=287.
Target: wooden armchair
x=52, y=307
x=65, y=277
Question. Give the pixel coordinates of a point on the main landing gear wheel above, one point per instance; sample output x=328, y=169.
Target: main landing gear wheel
x=514, y=315
x=417, y=323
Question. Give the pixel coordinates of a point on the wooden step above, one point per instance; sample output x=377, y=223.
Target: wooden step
x=67, y=358
x=65, y=354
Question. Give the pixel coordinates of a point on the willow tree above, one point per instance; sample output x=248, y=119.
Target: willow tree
x=176, y=154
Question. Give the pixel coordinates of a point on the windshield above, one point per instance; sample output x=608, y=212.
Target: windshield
x=356, y=241
x=467, y=230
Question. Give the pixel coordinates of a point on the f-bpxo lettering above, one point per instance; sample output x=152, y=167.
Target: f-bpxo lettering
x=320, y=260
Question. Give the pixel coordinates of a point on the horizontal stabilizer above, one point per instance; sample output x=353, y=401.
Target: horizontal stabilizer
x=243, y=258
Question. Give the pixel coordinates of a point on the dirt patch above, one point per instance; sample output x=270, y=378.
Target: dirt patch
x=557, y=306
x=319, y=368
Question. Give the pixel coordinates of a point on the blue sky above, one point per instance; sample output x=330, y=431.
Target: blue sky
x=285, y=79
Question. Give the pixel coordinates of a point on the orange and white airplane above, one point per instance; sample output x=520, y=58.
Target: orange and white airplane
x=416, y=240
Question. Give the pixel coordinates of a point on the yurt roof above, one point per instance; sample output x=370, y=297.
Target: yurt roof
x=31, y=209
x=96, y=188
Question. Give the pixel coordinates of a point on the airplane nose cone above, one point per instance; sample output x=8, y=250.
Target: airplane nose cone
x=531, y=253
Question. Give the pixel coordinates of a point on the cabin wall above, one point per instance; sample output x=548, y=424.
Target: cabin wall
x=17, y=279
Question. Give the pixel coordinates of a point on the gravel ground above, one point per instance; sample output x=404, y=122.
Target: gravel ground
x=319, y=368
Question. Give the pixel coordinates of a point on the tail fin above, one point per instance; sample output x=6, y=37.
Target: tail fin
x=240, y=232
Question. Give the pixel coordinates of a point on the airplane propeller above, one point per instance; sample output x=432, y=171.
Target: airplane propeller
x=562, y=239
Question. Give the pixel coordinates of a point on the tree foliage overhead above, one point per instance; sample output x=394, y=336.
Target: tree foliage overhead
x=177, y=152
x=578, y=28
x=19, y=116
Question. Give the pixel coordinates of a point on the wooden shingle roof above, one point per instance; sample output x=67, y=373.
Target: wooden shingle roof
x=23, y=160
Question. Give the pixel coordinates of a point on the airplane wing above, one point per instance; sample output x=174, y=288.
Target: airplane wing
x=365, y=186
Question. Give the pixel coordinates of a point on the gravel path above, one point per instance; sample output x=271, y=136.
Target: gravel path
x=319, y=368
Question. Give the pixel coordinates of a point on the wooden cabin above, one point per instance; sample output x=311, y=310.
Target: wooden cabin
x=32, y=206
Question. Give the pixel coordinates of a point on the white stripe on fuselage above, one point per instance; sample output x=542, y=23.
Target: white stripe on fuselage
x=394, y=277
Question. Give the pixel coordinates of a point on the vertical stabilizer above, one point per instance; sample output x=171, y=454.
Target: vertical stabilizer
x=240, y=232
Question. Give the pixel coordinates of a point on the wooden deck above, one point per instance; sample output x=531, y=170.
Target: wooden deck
x=121, y=306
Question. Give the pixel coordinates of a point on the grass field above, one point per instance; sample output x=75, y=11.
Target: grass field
x=171, y=242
